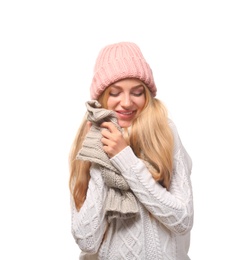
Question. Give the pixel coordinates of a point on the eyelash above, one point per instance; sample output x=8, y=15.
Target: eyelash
x=138, y=94
x=113, y=95
x=134, y=94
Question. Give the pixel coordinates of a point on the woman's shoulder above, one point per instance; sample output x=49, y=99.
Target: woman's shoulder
x=172, y=126
x=178, y=145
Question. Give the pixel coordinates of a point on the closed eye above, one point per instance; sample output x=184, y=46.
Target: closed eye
x=114, y=94
x=138, y=94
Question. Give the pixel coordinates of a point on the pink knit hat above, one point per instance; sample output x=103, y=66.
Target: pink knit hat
x=119, y=61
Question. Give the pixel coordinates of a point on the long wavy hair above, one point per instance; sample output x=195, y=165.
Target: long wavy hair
x=150, y=138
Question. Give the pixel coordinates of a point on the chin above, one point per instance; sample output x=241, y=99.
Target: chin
x=125, y=124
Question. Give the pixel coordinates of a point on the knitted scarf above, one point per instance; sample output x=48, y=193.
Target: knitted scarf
x=120, y=201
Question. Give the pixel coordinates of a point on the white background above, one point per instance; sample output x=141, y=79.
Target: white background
x=47, y=52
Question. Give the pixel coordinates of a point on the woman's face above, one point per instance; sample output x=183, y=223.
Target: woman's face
x=127, y=99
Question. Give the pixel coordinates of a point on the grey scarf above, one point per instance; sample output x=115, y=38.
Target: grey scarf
x=120, y=201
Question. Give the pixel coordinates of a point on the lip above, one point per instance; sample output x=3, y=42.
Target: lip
x=126, y=114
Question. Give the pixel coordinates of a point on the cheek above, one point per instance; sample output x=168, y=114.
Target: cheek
x=110, y=103
x=113, y=102
x=141, y=103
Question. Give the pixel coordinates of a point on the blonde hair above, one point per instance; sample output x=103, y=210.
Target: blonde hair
x=150, y=138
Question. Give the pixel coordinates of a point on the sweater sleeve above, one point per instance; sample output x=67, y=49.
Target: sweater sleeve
x=89, y=223
x=173, y=208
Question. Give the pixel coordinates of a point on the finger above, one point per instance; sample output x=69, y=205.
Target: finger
x=105, y=141
x=113, y=135
x=110, y=126
x=88, y=124
x=105, y=133
x=109, y=147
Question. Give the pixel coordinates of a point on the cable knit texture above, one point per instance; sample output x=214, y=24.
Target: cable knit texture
x=160, y=231
x=120, y=203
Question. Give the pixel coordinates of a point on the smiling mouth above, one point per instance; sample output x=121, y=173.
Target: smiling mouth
x=127, y=113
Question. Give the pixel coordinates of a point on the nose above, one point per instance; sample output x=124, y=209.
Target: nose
x=126, y=101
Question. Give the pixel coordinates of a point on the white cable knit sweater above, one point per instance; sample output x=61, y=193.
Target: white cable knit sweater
x=161, y=230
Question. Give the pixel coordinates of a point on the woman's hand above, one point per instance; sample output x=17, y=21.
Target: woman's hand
x=112, y=139
x=88, y=126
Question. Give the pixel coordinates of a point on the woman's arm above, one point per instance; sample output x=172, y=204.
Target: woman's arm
x=89, y=223
x=173, y=208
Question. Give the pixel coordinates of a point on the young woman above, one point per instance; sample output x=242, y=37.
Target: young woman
x=131, y=194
